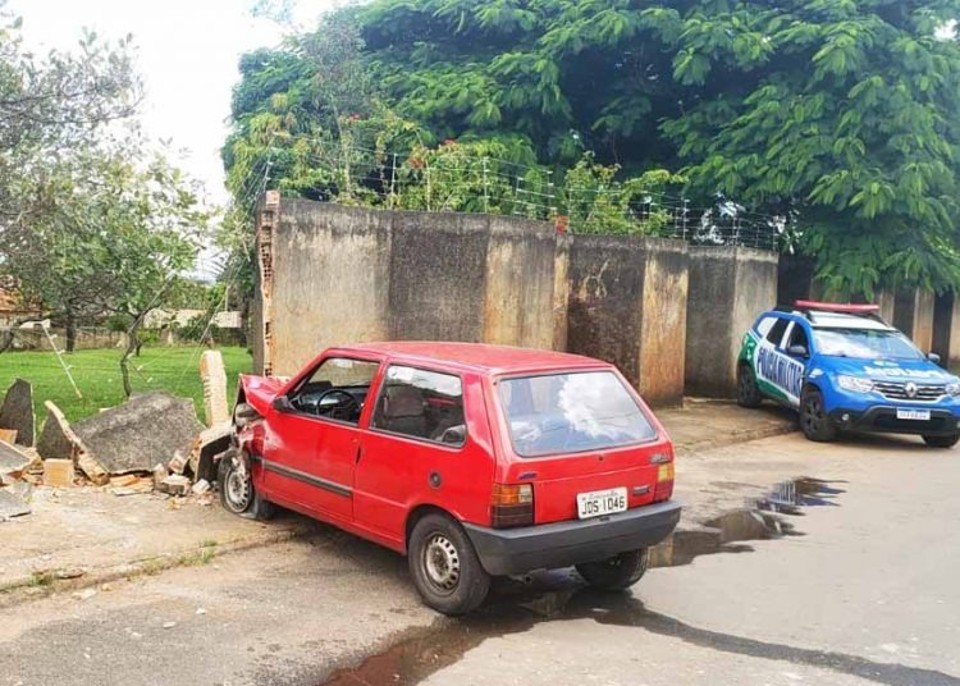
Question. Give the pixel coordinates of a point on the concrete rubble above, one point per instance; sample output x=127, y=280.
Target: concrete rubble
x=15, y=462
x=214, y=378
x=175, y=484
x=58, y=473
x=134, y=436
x=16, y=412
x=11, y=505
x=210, y=443
x=153, y=442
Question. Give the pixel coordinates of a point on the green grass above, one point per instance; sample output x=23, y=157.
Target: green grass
x=97, y=373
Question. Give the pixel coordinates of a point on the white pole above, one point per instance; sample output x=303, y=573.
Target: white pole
x=59, y=353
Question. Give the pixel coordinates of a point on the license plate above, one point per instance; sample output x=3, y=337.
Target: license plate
x=916, y=415
x=599, y=503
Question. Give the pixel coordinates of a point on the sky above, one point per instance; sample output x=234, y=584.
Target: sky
x=187, y=57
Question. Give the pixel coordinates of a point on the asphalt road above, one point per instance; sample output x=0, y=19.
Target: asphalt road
x=868, y=592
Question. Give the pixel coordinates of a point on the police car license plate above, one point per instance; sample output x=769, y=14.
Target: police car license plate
x=599, y=503
x=915, y=415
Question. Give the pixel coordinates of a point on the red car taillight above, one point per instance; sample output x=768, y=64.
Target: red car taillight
x=664, y=488
x=511, y=505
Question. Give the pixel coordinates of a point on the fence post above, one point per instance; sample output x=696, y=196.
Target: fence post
x=551, y=195
x=393, y=183
x=684, y=210
x=486, y=188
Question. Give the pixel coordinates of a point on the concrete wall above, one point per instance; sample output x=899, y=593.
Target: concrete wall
x=729, y=287
x=331, y=275
x=663, y=330
x=86, y=339
x=523, y=273
x=946, y=328
x=913, y=313
x=331, y=266
x=341, y=275
x=627, y=305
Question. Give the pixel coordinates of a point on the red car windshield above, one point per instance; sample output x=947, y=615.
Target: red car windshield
x=571, y=413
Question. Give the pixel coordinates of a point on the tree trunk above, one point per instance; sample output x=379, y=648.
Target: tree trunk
x=71, y=325
x=133, y=345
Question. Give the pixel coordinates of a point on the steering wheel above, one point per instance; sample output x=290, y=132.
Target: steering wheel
x=346, y=406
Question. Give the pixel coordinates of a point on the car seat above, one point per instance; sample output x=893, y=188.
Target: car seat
x=402, y=411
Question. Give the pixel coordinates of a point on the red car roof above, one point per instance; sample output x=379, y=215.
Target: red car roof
x=497, y=359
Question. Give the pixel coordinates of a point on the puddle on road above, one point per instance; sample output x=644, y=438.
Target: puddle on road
x=515, y=605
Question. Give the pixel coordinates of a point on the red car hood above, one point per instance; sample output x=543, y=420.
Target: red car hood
x=259, y=391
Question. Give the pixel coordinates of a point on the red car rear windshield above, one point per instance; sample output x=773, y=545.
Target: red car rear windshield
x=571, y=413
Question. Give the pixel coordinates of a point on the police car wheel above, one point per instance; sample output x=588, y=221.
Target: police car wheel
x=814, y=422
x=941, y=441
x=748, y=395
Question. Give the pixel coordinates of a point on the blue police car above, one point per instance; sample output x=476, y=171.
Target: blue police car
x=843, y=367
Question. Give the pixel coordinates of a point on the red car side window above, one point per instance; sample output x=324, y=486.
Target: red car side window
x=421, y=404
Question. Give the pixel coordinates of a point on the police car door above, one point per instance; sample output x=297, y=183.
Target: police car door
x=779, y=375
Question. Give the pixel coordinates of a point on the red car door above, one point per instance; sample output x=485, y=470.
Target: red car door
x=421, y=448
x=311, y=447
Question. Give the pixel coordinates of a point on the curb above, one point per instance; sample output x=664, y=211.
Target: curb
x=736, y=437
x=28, y=588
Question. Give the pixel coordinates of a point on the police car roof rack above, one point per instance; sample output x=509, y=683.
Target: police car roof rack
x=810, y=307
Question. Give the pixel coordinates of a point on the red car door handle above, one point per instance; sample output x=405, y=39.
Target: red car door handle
x=359, y=453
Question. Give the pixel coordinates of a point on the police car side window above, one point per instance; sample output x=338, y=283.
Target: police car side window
x=775, y=336
x=764, y=326
x=799, y=337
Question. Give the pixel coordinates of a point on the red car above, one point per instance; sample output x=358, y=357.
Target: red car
x=474, y=460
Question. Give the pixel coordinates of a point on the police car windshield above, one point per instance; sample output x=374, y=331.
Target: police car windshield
x=867, y=344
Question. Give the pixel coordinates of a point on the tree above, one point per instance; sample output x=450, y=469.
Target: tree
x=108, y=231
x=838, y=115
x=53, y=103
x=53, y=110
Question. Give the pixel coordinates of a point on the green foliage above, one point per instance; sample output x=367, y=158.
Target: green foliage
x=103, y=231
x=199, y=329
x=596, y=202
x=839, y=115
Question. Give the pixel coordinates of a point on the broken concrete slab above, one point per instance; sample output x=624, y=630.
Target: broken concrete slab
x=130, y=484
x=214, y=378
x=175, y=484
x=16, y=413
x=13, y=461
x=22, y=490
x=210, y=443
x=177, y=463
x=57, y=440
x=133, y=437
x=159, y=474
x=11, y=505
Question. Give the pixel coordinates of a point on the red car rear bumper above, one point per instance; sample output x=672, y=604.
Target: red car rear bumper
x=551, y=546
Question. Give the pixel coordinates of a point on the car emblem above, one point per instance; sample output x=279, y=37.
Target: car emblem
x=911, y=389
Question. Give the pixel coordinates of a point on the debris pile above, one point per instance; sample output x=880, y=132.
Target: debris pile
x=18, y=460
x=15, y=462
x=153, y=441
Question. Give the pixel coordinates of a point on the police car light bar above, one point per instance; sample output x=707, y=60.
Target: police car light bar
x=836, y=307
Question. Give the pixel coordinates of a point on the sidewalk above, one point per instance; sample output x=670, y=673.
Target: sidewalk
x=86, y=536
x=702, y=425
